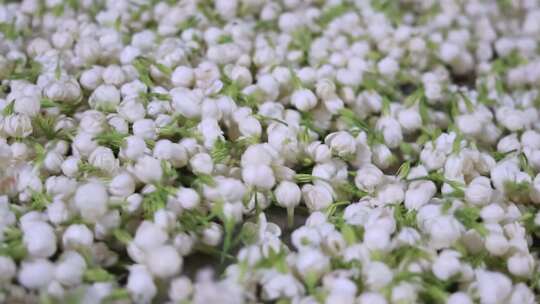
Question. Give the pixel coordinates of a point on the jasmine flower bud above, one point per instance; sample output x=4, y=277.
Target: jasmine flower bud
x=8, y=269
x=147, y=169
x=479, y=191
x=521, y=264
x=317, y=197
x=39, y=239
x=287, y=194
x=70, y=269
x=77, y=235
x=164, y=261
x=91, y=201
x=260, y=176
x=35, y=274
x=181, y=288
x=304, y=100
x=201, y=163
x=368, y=177
x=140, y=284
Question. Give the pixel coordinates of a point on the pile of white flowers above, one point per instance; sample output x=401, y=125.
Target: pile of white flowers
x=280, y=151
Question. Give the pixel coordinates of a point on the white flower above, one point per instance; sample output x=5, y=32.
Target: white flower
x=164, y=261
x=391, y=131
x=133, y=147
x=144, y=128
x=496, y=244
x=276, y=285
x=70, y=268
x=311, y=263
x=493, y=287
x=288, y=194
x=91, y=199
x=147, y=169
x=28, y=105
x=377, y=275
x=39, y=239
x=479, y=191
x=368, y=177
x=260, y=176
x=391, y=193
x=180, y=289
x=521, y=264
x=35, y=274
x=459, y=298
x=522, y=295
x=122, y=185
x=201, y=163
x=342, y=143
x=388, y=67
x=376, y=238
x=419, y=194
x=149, y=236
x=186, y=102
x=8, y=268
x=317, y=197
x=105, y=97
x=304, y=100
x=404, y=293
x=446, y=265
x=410, y=120
x=113, y=74
x=17, y=125
x=212, y=234
x=182, y=76
x=188, y=198
x=444, y=231
x=382, y=156
x=370, y=297
x=84, y=144
x=77, y=235
x=104, y=159
x=140, y=284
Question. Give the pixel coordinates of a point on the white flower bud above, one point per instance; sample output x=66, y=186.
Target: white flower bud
x=388, y=67
x=419, y=194
x=35, y=274
x=201, y=163
x=105, y=97
x=188, y=198
x=122, y=185
x=8, y=268
x=521, y=264
x=164, y=261
x=304, y=100
x=28, y=105
x=212, y=235
x=391, y=131
x=446, y=265
x=145, y=128
x=377, y=275
x=410, y=120
x=180, y=289
x=147, y=169
x=91, y=199
x=140, y=284
x=317, y=197
x=260, y=176
x=17, y=125
x=39, y=239
x=479, y=191
x=288, y=194
x=186, y=102
x=368, y=177
x=493, y=287
x=149, y=236
x=77, y=235
x=104, y=159
x=113, y=74
x=70, y=269
x=342, y=143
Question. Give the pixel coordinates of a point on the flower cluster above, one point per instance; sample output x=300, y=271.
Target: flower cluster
x=283, y=151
